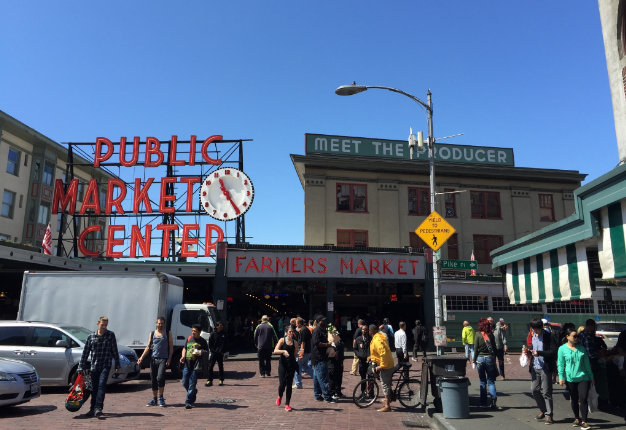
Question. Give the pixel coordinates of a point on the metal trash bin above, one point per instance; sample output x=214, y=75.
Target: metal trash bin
x=443, y=366
x=454, y=396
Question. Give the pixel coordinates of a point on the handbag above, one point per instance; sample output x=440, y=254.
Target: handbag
x=593, y=399
x=77, y=395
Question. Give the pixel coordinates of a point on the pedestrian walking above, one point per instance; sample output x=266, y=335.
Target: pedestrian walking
x=400, y=343
x=467, y=337
x=191, y=357
x=335, y=369
x=586, y=338
x=381, y=355
x=218, y=345
x=484, y=358
x=304, y=337
x=362, y=353
x=161, y=345
x=542, y=366
x=101, y=346
x=387, y=330
x=420, y=339
x=319, y=358
x=287, y=348
x=499, y=334
x=575, y=372
x=355, y=360
x=265, y=339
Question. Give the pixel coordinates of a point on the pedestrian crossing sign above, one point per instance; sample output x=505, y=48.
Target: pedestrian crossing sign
x=435, y=231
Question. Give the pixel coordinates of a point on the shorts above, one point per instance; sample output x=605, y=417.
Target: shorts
x=385, y=378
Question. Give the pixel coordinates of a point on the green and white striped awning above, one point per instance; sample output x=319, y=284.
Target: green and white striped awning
x=557, y=275
x=612, y=244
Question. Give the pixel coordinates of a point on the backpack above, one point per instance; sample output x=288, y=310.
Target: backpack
x=424, y=337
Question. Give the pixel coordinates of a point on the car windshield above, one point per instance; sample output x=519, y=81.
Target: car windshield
x=80, y=333
x=611, y=327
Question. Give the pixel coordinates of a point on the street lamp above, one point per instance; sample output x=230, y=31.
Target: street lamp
x=348, y=90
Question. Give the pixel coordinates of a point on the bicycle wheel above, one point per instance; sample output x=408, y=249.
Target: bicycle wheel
x=409, y=393
x=365, y=393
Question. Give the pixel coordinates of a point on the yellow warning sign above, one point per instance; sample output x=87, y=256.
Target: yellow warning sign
x=435, y=230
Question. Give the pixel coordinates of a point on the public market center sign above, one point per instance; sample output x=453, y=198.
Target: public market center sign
x=366, y=147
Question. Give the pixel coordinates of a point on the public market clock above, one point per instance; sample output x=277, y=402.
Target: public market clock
x=226, y=194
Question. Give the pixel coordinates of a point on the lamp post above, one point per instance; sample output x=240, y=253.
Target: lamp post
x=348, y=90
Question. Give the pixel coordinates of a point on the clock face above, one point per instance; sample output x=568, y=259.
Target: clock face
x=226, y=194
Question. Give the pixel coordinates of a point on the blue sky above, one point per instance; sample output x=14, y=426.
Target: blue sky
x=527, y=75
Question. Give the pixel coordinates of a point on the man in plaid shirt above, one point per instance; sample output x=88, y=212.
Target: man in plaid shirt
x=587, y=338
x=102, y=347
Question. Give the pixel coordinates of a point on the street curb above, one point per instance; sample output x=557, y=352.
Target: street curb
x=440, y=421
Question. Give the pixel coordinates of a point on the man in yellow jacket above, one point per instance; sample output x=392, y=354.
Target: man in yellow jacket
x=381, y=355
x=467, y=337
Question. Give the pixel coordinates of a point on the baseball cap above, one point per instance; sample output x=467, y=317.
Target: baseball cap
x=544, y=321
x=501, y=319
x=320, y=318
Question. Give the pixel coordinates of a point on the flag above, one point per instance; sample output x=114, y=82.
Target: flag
x=47, y=241
x=473, y=271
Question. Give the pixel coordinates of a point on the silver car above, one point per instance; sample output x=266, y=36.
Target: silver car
x=55, y=351
x=19, y=382
x=609, y=331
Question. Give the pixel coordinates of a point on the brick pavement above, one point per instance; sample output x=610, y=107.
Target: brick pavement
x=253, y=407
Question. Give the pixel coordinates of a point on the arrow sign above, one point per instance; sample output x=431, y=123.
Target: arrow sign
x=459, y=264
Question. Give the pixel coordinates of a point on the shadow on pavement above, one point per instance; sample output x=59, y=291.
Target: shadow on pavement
x=24, y=411
x=108, y=415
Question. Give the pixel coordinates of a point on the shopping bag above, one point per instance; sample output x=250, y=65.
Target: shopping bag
x=593, y=399
x=77, y=395
x=523, y=360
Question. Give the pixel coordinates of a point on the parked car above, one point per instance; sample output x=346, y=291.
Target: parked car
x=609, y=331
x=55, y=351
x=19, y=382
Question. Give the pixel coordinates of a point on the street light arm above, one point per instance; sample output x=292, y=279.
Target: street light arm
x=395, y=90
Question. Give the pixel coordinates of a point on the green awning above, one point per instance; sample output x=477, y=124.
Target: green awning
x=612, y=244
x=557, y=275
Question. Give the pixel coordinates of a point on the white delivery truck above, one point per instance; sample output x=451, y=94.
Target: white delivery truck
x=132, y=302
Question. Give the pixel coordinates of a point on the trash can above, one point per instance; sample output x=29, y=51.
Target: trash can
x=454, y=396
x=443, y=366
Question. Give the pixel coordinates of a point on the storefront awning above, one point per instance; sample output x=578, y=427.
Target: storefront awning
x=556, y=275
x=612, y=244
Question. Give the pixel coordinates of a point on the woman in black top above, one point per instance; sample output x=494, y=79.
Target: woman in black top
x=484, y=358
x=287, y=347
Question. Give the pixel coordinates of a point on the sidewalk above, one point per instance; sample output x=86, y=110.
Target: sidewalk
x=518, y=406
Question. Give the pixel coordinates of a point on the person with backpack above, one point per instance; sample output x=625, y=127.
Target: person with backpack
x=218, y=344
x=420, y=339
x=484, y=358
x=161, y=345
x=191, y=357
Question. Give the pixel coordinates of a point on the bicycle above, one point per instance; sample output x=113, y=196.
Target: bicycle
x=407, y=390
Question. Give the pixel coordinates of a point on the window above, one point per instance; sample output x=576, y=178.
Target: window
x=44, y=210
x=103, y=198
x=485, y=204
x=466, y=303
x=13, y=162
x=4, y=237
x=191, y=317
x=59, y=217
x=546, y=207
x=571, y=307
x=351, y=198
x=48, y=173
x=13, y=336
x=503, y=304
x=617, y=308
x=484, y=244
x=37, y=171
x=416, y=242
x=8, y=204
x=453, y=247
x=47, y=337
x=450, y=200
x=81, y=191
x=352, y=238
x=419, y=201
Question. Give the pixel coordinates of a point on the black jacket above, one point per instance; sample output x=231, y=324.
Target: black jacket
x=218, y=342
x=362, y=348
x=318, y=353
x=417, y=336
x=549, y=353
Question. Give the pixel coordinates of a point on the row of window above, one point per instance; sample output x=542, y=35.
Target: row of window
x=485, y=204
x=483, y=244
x=503, y=304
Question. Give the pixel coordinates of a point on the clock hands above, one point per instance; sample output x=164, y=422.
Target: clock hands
x=227, y=195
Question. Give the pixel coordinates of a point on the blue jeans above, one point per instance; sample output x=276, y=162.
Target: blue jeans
x=487, y=373
x=303, y=363
x=320, y=380
x=190, y=378
x=99, y=386
x=469, y=352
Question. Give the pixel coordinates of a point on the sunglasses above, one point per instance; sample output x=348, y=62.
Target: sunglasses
x=575, y=336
